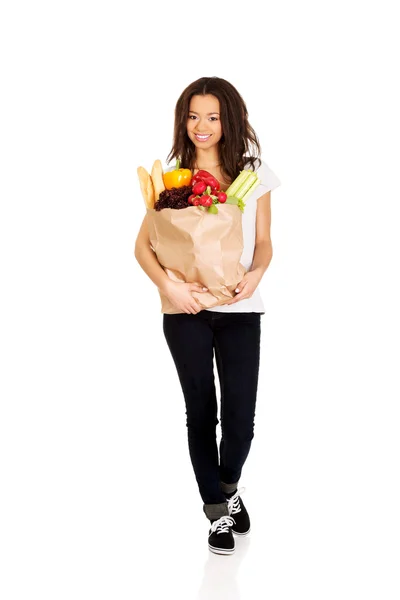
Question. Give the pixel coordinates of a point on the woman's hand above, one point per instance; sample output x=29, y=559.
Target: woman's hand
x=180, y=294
x=247, y=286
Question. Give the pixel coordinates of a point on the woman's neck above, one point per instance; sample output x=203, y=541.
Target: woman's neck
x=207, y=159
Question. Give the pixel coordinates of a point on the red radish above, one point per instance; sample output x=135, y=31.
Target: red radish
x=206, y=200
x=196, y=201
x=222, y=197
x=191, y=198
x=199, y=187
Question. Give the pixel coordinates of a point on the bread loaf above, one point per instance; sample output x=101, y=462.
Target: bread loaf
x=146, y=187
x=157, y=177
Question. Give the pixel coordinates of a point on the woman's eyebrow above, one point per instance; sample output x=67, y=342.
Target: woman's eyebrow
x=212, y=113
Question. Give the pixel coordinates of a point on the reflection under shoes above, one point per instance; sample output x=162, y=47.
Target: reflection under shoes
x=220, y=573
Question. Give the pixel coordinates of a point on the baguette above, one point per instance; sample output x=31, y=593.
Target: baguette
x=157, y=177
x=146, y=187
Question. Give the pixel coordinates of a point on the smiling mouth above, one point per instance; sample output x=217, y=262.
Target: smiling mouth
x=202, y=138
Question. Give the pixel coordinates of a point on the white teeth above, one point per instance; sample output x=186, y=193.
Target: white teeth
x=202, y=137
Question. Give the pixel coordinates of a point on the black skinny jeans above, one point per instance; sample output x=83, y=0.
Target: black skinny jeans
x=235, y=338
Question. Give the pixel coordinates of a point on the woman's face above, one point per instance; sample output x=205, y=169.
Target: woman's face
x=204, y=122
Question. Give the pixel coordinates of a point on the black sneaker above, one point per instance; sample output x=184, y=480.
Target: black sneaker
x=239, y=513
x=220, y=538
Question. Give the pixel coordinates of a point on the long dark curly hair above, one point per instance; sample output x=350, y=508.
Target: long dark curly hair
x=239, y=143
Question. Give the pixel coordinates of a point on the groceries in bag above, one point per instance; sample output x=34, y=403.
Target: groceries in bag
x=196, y=232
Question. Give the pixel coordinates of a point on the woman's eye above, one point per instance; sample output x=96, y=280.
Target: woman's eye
x=211, y=118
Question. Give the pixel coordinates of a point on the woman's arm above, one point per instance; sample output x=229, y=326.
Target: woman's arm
x=263, y=248
x=178, y=293
x=262, y=251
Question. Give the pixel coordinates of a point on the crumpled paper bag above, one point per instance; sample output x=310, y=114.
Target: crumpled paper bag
x=193, y=245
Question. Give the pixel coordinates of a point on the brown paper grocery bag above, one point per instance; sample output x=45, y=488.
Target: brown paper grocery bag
x=193, y=245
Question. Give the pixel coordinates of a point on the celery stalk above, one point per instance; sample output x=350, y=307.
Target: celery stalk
x=251, y=189
x=246, y=185
x=237, y=183
x=242, y=187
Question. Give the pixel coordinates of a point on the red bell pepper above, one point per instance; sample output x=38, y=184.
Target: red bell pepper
x=208, y=179
x=199, y=176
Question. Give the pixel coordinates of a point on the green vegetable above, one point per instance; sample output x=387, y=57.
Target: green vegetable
x=237, y=183
x=241, y=188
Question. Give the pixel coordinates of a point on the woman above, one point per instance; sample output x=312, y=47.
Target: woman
x=212, y=133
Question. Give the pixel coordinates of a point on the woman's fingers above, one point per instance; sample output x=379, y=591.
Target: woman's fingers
x=241, y=296
x=191, y=308
x=241, y=286
x=195, y=287
x=196, y=308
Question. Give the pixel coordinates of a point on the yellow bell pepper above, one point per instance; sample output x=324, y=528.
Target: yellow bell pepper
x=178, y=177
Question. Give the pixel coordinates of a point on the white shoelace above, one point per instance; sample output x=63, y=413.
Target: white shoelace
x=222, y=524
x=233, y=502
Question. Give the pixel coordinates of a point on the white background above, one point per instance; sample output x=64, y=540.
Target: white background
x=98, y=498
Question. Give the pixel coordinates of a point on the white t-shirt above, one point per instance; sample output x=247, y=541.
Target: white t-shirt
x=269, y=181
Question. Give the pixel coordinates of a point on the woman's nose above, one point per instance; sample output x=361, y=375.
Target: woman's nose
x=202, y=126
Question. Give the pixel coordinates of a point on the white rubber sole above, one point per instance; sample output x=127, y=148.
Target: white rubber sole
x=221, y=550
x=237, y=533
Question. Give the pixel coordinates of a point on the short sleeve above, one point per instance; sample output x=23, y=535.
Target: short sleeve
x=269, y=181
